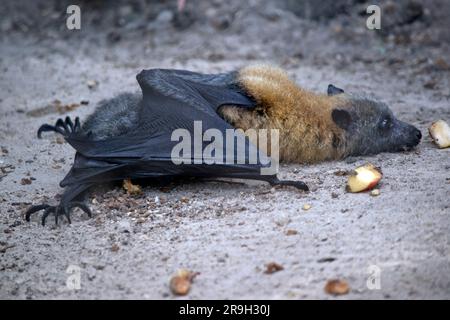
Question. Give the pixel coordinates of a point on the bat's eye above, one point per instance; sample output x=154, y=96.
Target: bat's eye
x=385, y=123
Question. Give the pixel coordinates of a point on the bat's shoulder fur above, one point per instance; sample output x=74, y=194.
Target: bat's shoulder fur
x=307, y=131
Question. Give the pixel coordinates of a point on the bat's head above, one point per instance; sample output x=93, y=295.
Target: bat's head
x=370, y=126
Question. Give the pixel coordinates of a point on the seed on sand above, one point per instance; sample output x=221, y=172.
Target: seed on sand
x=92, y=84
x=181, y=282
x=273, y=267
x=337, y=287
x=291, y=232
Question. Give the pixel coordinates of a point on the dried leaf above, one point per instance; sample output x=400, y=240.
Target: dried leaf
x=273, y=267
x=184, y=199
x=291, y=232
x=132, y=189
x=25, y=181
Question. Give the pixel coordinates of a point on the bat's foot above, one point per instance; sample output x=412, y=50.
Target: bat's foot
x=297, y=184
x=60, y=210
x=64, y=127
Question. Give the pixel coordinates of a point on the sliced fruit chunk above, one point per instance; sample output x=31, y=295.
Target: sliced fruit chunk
x=181, y=282
x=440, y=133
x=365, y=178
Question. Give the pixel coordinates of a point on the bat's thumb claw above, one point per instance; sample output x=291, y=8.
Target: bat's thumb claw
x=297, y=184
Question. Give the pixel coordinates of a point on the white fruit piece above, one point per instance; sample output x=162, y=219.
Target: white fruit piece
x=306, y=207
x=365, y=178
x=440, y=133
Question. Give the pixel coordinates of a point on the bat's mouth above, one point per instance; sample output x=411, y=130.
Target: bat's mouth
x=412, y=143
x=407, y=147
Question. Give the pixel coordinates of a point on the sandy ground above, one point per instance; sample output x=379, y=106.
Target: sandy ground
x=226, y=232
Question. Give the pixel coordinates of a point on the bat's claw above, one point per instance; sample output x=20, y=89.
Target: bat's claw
x=297, y=184
x=57, y=211
x=64, y=127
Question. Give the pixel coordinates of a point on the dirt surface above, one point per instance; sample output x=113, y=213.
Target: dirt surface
x=228, y=232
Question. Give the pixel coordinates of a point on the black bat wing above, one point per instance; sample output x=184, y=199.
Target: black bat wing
x=172, y=99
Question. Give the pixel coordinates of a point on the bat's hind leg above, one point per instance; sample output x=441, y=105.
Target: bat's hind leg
x=64, y=127
x=60, y=210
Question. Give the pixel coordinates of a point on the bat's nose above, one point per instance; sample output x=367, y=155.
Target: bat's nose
x=418, y=134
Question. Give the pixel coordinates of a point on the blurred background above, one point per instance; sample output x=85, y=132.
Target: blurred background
x=414, y=34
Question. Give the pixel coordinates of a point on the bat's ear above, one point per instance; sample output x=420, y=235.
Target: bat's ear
x=332, y=90
x=342, y=118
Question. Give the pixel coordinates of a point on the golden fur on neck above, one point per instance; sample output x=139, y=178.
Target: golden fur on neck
x=307, y=131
